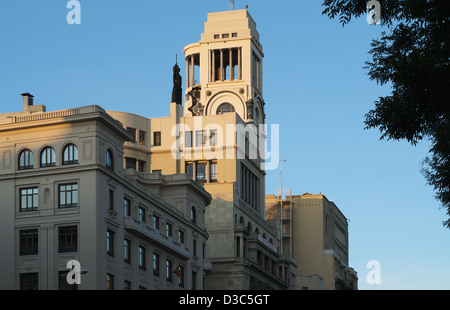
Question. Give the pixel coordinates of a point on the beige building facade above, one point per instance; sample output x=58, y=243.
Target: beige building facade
x=65, y=196
x=315, y=232
x=139, y=201
x=216, y=139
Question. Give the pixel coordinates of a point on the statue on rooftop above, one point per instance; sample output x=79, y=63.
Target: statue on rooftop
x=176, y=91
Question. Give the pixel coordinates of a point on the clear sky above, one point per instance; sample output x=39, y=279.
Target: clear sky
x=121, y=57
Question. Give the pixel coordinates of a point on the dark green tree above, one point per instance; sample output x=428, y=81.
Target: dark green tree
x=412, y=56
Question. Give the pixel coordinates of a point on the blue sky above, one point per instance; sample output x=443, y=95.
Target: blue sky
x=121, y=56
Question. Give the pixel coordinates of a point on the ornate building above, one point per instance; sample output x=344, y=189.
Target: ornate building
x=215, y=138
x=65, y=196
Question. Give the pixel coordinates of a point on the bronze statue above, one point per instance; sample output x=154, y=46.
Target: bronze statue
x=176, y=91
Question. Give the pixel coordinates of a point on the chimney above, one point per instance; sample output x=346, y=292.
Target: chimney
x=27, y=101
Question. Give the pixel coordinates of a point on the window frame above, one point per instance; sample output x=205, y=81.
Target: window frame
x=141, y=255
x=34, y=195
x=72, y=154
x=169, y=263
x=188, y=139
x=69, y=244
x=156, y=264
x=110, y=236
x=49, y=154
x=142, y=135
x=213, y=171
x=127, y=250
x=72, y=195
x=28, y=244
x=225, y=107
x=109, y=159
x=28, y=157
x=126, y=207
x=157, y=138
x=199, y=174
x=200, y=138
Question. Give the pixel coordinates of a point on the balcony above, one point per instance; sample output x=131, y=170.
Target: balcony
x=156, y=237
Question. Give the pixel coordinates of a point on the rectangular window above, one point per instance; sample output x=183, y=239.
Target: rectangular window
x=213, y=137
x=200, y=175
x=155, y=222
x=68, y=195
x=225, y=36
x=249, y=187
x=194, y=280
x=180, y=274
x=189, y=170
x=156, y=264
x=110, y=243
x=234, y=35
x=142, y=257
x=141, y=137
x=141, y=166
x=130, y=163
x=188, y=138
x=126, y=207
x=127, y=251
x=181, y=236
x=213, y=171
x=169, y=270
x=132, y=131
x=168, y=229
x=28, y=242
x=29, y=281
x=200, y=137
x=141, y=214
x=29, y=199
x=157, y=171
x=67, y=239
x=157, y=138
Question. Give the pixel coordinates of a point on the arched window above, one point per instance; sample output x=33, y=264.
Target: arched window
x=256, y=117
x=193, y=215
x=70, y=154
x=26, y=160
x=109, y=161
x=48, y=157
x=225, y=108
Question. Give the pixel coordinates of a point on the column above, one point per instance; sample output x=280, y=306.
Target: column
x=213, y=67
x=239, y=64
x=231, y=65
x=221, y=65
x=192, y=70
x=187, y=72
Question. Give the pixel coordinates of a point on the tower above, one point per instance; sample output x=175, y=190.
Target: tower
x=223, y=90
x=224, y=69
x=224, y=86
